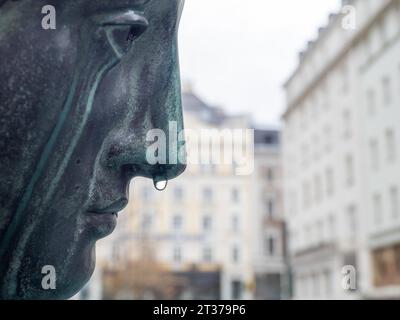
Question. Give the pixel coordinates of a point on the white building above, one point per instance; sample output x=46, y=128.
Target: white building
x=341, y=156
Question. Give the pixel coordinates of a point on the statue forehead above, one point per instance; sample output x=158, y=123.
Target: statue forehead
x=105, y=4
x=114, y=2
x=102, y=2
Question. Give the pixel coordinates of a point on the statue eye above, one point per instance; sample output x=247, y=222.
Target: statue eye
x=135, y=32
x=122, y=29
x=121, y=38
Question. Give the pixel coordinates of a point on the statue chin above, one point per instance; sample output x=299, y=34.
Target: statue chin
x=76, y=105
x=77, y=275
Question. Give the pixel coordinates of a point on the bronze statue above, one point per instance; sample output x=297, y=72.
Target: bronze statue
x=76, y=103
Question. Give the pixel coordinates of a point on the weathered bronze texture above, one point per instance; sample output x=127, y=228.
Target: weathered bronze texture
x=75, y=106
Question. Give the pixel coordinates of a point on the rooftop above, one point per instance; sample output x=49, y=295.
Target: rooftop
x=322, y=32
x=193, y=104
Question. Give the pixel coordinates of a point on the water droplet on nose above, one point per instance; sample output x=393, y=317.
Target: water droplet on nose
x=160, y=185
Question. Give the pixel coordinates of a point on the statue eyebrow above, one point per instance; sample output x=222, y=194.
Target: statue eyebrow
x=142, y=2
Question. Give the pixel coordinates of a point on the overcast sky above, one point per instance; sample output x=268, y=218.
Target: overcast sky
x=237, y=54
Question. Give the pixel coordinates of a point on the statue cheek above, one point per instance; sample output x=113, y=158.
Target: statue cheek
x=63, y=39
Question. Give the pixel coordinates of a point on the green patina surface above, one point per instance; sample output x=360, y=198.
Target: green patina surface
x=75, y=108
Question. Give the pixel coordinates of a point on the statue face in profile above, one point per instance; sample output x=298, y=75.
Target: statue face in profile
x=76, y=104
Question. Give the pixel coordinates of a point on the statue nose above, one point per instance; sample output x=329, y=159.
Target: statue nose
x=158, y=157
x=150, y=142
x=154, y=156
x=164, y=153
x=163, y=156
x=152, y=145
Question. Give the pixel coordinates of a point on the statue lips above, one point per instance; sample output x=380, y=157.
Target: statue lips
x=103, y=221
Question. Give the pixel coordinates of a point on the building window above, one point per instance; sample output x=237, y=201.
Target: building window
x=349, y=165
x=380, y=267
x=352, y=221
x=394, y=202
x=177, y=222
x=177, y=254
x=386, y=90
x=293, y=203
x=236, y=290
x=307, y=235
x=304, y=152
x=328, y=283
x=377, y=207
x=207, y=195
x=332, y=227
x=303, y=292
x=316, y=285
x=316, y=146
x=207, y=223
x=235, y=223
x=292, y=239
x=178, y=194
x=271, y=246
x=347, y=129
x=390, y=145
x=318, y=189
x=328, y=139
x=207, y=255
x=374, y=154
x=235, y=254
x=147, y=221
x=320, y=232
x=271, y=208
x=329, y=182
x=306, y=195
x=270, y=175
x=235, y=195
x=371, y=102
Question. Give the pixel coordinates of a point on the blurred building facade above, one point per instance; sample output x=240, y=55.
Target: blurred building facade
x=215, y=234
x=341, y=153
x=268, y=229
